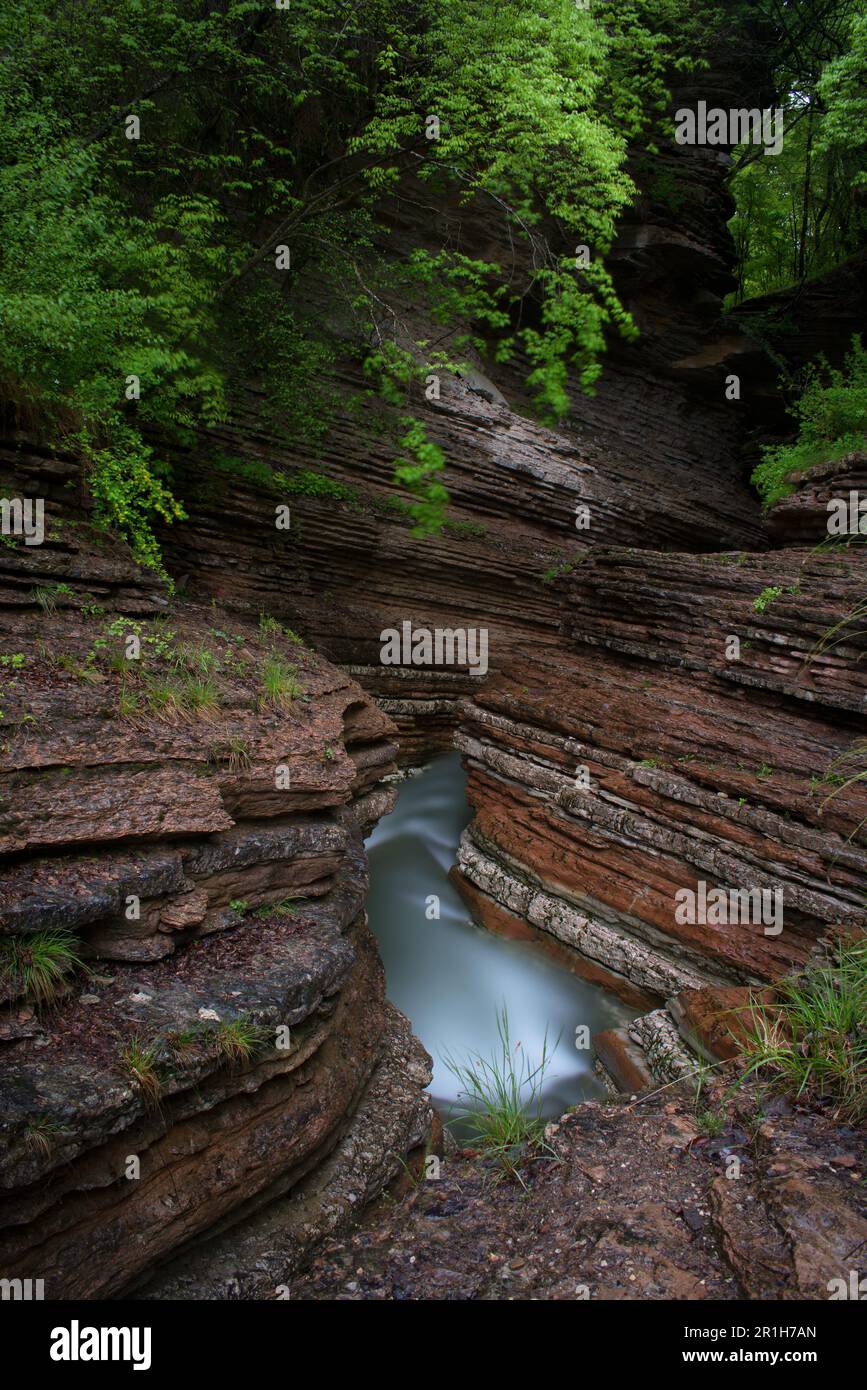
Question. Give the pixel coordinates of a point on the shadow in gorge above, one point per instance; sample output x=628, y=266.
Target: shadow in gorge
x=449, y=976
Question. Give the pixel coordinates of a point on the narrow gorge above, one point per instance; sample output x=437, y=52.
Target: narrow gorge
x=209, y=1089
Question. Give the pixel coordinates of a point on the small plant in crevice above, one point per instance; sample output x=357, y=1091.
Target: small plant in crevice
x=128, y=702
x=173, y=697
x=139, y=1061
x=183, y=1040
x=234, y=751
x=37, y=965
x=286, y=908
x=841, y=631
x=502, y=1114
x=844, y=773
x=279, y=683
x=239, y=1041
x=711, y=1122
x=811, y=1042
x=199, y=695
x=47, y=595
x=40, y=1135
x=766, y=598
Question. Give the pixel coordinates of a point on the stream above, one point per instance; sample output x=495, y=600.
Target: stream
x=452, y=978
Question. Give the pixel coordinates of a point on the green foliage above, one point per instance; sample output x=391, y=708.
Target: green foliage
x=766, y=598
x=813, y=1042
x=140, y=1062
x=503, y=1095
x=418, y=469
x=38, y=964
x=279, y=682
x=240, y=1040
x=151, y=260
x=306, y=482
x=41, y=1134
x=832, y=411
x=796, y=216
x=177, y=696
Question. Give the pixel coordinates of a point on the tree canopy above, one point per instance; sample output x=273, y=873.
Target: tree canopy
x=155, y=157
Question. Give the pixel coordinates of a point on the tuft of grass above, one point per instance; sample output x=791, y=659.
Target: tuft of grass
x=174, y=697
x=184, y=1039
x=283, y=909
x=840, y=632
x=38, y=965
x=503, y=1094
x=279, y=682
x=845, y=772
x=40, y=1135
x=197, y=659
x=163, y=696
x=812, y=1043
x=139, y=1061
x=711, y=1122
x=199, y=695
x=46, y=596
x=235, y=751
x=239, y=1041
x=128, y=703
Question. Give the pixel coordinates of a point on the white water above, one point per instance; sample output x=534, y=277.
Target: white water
x=451, y=977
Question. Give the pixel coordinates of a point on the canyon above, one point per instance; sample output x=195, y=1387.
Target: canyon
x=642, y=726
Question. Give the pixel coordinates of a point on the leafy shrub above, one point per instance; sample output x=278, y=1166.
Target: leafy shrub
x=832, y=410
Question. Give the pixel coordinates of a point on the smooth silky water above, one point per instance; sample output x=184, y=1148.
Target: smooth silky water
x=451, y=977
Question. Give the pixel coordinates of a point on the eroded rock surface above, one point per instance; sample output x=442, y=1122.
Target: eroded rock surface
x=190, y=817
x=632, y=1203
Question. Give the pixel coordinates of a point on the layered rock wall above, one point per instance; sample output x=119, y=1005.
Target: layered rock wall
x=184, y=797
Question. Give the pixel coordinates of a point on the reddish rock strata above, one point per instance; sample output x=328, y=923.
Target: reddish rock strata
x=206, y=864
x=666, y=656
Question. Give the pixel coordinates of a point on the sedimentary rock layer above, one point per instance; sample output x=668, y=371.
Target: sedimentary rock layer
x=184, y=797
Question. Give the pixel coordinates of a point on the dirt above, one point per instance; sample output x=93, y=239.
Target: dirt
x=624, y=1206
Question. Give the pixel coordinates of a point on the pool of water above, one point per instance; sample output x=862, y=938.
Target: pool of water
x=452, y=978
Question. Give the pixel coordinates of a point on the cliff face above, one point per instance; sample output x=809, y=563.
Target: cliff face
x=196, y=838
x=669, y=651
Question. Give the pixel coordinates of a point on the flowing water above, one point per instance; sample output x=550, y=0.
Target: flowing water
x=451, y=977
